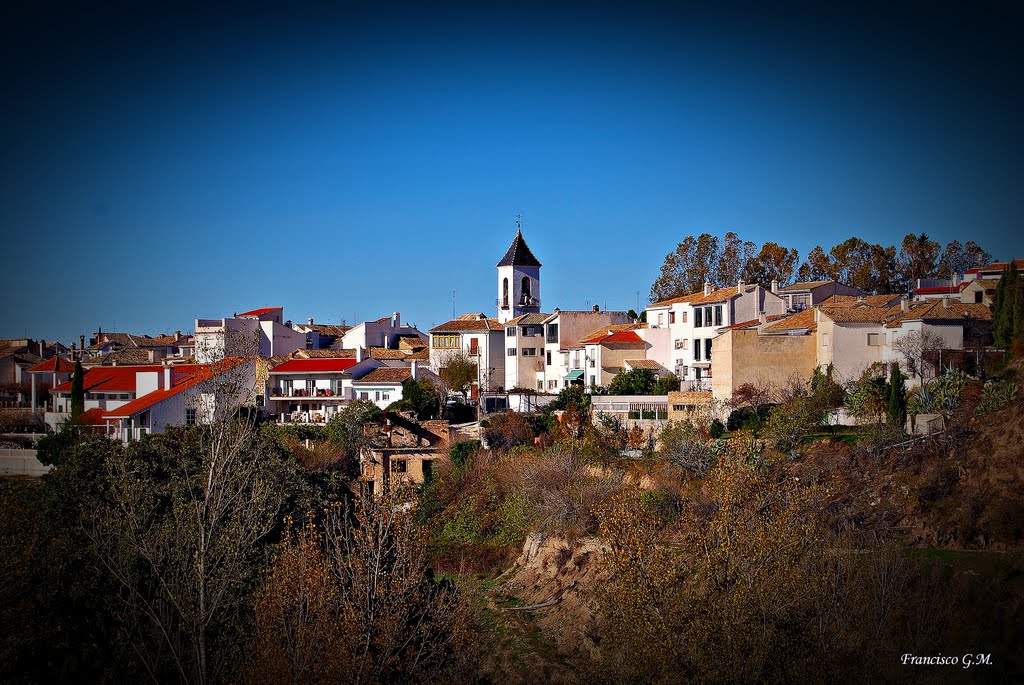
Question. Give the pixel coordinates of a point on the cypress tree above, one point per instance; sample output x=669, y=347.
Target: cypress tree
x=77, y=392
x=897, y=406
x=1007, y=311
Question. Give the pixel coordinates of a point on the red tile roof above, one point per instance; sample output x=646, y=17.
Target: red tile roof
x=605, y=337
x=259, y=312
x=149, y=399
x=316, y=365
x=109, y=378
x=58, y=364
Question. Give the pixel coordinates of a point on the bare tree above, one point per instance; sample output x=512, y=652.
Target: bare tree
x=181, y=528
x=457, y=372
x=912, y=348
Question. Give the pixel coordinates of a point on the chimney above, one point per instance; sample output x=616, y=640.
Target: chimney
x=597, y=308
x=396, y=320
x=739, y=286
x=81, y=342
x=288, y=323
x=309, y=321
x=177, y=336
x=707, y=287
x=904, y=304
x=945, y=303
x=359, y=354
x=861, y=300
x=556, y=310
x=775, y=285
x=387, y=342
x=414, y=369
x=762, y=318
x=167, y=376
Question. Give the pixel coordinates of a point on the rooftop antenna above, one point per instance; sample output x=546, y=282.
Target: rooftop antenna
x=453, y=303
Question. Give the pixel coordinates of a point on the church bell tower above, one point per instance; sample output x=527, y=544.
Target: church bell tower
x=518, y=280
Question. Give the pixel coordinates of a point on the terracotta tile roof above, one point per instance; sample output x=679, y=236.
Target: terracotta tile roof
x=58, y=364
x=804, y=285
x=935, y=311
x=751, y=323
x=985, y=283
x=419, y=355
x=384, y=353
x=122, y=339
x=518, y=253
x=321, y=365
x=800, y=320
x=259, y=312
x=938, y=290
x=324, y=354
x=722, y=294
x=463, y=324
x=125, y=356
x=856, y=314
x=412, y=342
x=386, y=374
x=326, y=329
x=642, y=364
x=26, y=360
x=854, y=300
x=677, y=300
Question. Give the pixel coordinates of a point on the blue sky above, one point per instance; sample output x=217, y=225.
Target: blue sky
x=168, y=162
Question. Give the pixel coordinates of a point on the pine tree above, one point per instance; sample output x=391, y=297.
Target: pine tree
x=77, y=392
x=897, y=407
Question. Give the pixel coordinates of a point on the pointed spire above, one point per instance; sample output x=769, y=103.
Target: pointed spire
x=518, y=253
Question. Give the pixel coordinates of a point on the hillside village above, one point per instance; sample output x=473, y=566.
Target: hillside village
x=705, y=345
x=560, y=495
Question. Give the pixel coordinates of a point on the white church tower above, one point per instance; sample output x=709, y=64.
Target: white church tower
x=518, y=280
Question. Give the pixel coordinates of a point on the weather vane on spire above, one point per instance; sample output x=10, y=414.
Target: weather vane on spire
x=519, y=222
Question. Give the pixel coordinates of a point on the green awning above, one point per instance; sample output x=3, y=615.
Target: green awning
x=574, y=375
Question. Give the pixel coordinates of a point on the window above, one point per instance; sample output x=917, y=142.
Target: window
x=474, y=346
x=707, y=349
x=593, y=381
x=661, y=318
x=873, y=339
x=592, y=362
x=698, y=317
x=310, y=387
x=335, y=386
x=529, y=351
x=978, y=297
x=446, y=341
x=504, y=294
x=527, y=298
x=510, y=332
x=364, y=395
x=122, y=396
x=800, y=302
x=190, y=417
x=707, y=315
x=684, y=317
x=671, y=317
x=286, y=388
x=549, y=357
x=718, y=315
x=260, y=401
x=696, y=348
x=511, y=351
x=552, y=384
x=376, y=396
x=824, y=339
x=540, y=385
x=399, y=466
x=552, y=335
x=386, y=396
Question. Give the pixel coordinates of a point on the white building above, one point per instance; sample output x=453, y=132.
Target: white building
x=694, y=320
x=480, y=338
x=313, y=390
x=258, y=332
x=564, y=332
